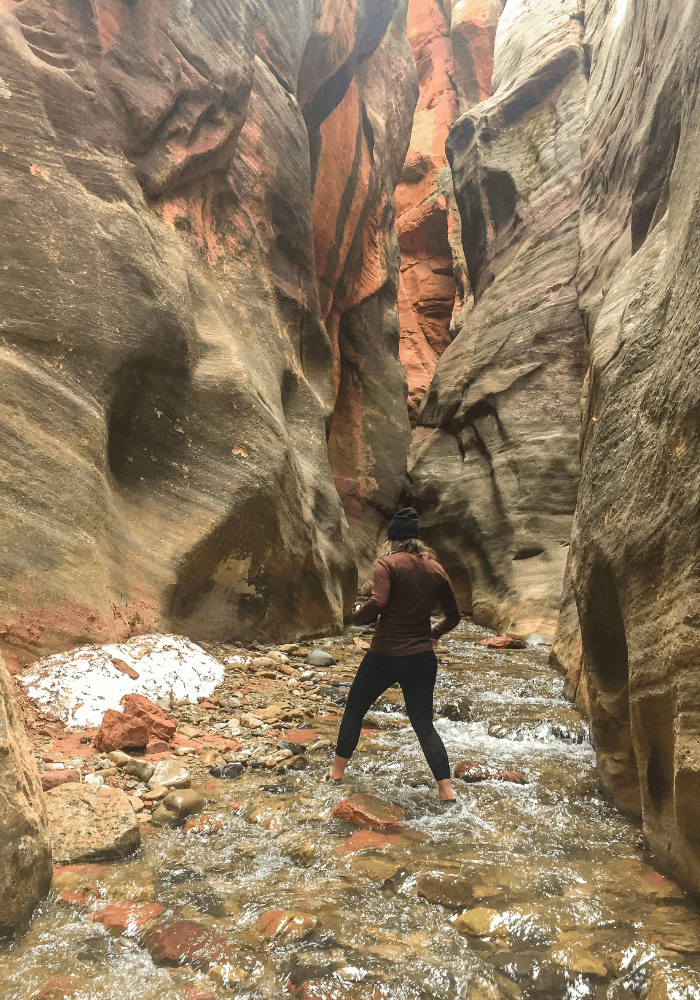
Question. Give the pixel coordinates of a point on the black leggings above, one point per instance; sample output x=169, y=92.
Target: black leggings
x=416, y=674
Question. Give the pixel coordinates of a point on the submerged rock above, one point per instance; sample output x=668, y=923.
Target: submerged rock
x=187, y=942
x=91, y=822
x=289, y=925
x=25, y=851
x=370, y=812
x=127, y=918
x=470, y=771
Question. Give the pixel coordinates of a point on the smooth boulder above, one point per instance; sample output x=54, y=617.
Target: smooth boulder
x=89, y=822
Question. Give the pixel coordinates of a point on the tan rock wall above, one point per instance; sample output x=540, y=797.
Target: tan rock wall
x=634, y=562
x=25, y=850
x=493, y=466
x=174, y=197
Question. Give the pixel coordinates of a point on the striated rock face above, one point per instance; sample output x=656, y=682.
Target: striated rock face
x=167, y=363
x=453, y=49
x=634, y=550
x=362, y=147
x=25, y=851
x=493, y=466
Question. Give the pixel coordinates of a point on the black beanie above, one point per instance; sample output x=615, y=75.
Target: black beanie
x=404, y=524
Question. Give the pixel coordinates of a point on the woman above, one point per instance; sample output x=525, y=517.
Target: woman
x=408, y=583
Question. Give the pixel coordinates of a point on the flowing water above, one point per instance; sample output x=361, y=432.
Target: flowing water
x=550, y=894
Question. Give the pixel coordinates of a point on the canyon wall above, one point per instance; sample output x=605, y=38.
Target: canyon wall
x=634, y=548
x=199, y=287
x=494, y=462
x=453, y=47
x=25, y=849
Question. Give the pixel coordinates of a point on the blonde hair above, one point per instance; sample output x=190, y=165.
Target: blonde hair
x=413, y=545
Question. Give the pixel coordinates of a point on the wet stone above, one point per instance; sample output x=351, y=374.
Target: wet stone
x=171, y=774
x=445, y=888
x=370, y=812
x=186, y=942
x=127, y=918
x=289, y=925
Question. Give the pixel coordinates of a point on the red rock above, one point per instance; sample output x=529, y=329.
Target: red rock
x=208, y=705
x=203, y=824
x=50, y=779
x=470, y=772
x=76, y=897
x=284, y=669
x=370, y=812
x=200, y=992
x=291, y=925
x=185, y=942
x=118, y=731
x=124, y=668
x=159, y=724
x=118, y=918
x=301, y=735
x=57, y=988
x=502, y=642
x=210, y=700
x=371, y=840
x=158, y=747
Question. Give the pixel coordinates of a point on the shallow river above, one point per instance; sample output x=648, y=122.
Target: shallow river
x=550, y=892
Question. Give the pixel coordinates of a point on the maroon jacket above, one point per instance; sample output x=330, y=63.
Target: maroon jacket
x=405, y=591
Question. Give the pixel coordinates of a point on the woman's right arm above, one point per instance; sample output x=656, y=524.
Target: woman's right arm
x=370, y=611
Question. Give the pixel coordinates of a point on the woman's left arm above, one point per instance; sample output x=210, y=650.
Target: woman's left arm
x=370, y=611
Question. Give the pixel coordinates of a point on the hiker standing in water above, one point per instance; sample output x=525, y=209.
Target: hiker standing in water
x=408, y=583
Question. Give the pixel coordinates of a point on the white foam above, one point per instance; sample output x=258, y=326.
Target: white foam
x=81, y=684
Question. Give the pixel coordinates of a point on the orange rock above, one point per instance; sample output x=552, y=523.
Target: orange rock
x=288, y=924
x=371, y=840
x=118, y=918
x=370, y=812
x=57, y=988
x=203, y=824
x=470, y=772
x=50, y=779
x=502, y=642
x=186, y=942
x=118, y=731
x=159, y=724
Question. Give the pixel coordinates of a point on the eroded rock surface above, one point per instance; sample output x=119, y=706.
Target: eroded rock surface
x=176, y=191
x=494, y=466
x=25, y=851
x=453, y=49
x=634, y=551
x=89, y=821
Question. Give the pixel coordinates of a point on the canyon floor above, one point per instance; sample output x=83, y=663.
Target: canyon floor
x=539, y=889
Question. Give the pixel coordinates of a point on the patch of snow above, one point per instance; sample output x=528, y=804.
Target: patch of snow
x=81, y=684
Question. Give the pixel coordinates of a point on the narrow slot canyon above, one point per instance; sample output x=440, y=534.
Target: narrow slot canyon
x=273, y=270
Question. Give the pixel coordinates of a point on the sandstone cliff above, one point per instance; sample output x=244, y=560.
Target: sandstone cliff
x=453, y=48
x=177, y=189
x=634, y=562
x=493, y=465
x=25, y=851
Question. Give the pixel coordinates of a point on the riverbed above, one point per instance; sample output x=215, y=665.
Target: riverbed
x=536, y=889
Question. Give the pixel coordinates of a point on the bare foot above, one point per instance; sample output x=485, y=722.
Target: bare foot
x=445, y=790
